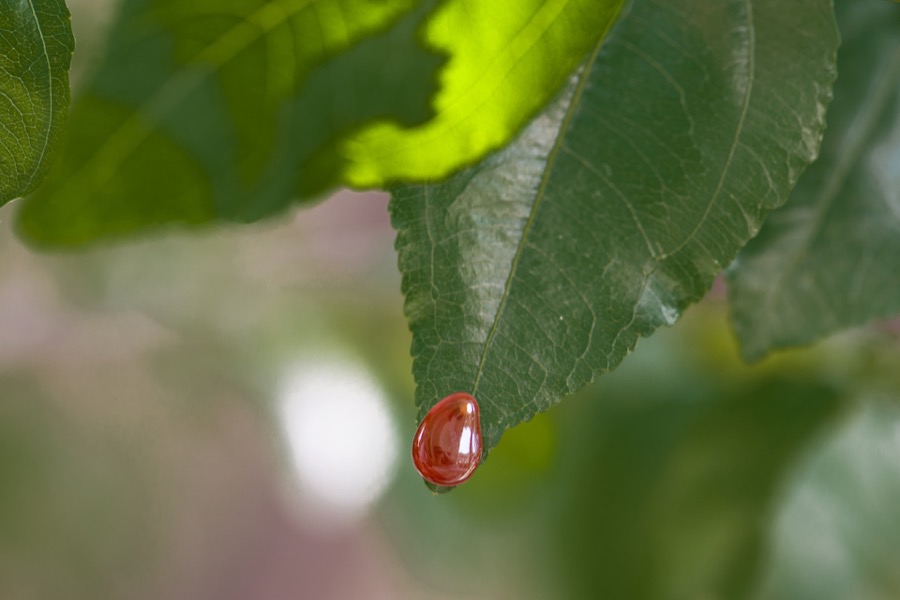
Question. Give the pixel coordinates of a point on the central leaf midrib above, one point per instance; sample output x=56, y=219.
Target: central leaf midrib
x=539, y=197
x=739, y=129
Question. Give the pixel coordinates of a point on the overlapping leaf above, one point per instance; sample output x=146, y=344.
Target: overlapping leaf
x=209, y=110
x=831, y=257
x=531, y=274
x=36, y=46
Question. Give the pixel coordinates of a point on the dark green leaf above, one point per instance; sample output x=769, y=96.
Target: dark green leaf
x=531, y=274
x=36, y=46
x=208, y=111
x=830, y=258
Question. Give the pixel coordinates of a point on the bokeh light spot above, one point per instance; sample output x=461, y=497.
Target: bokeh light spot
x=340, y=434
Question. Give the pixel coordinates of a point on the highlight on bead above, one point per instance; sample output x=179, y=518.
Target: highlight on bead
x=447, y=446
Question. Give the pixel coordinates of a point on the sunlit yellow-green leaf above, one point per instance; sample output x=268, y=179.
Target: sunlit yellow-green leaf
x=507, y=60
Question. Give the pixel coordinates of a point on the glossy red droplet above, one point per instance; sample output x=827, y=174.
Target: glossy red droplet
x=447, y=446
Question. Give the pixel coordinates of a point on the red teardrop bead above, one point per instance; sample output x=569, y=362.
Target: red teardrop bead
x=447, y=446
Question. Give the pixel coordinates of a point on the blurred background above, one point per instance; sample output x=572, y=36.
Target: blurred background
x=227, y=415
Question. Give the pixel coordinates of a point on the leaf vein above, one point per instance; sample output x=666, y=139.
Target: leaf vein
x=48, y=126
x=738, y=131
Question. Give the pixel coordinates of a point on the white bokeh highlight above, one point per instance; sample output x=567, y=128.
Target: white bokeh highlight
x=340, y=435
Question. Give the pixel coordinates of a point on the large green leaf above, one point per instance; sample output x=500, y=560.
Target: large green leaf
x=36, y=46
x=209, y=110
x=511, y=60
x=531, y=274
x=831, y=257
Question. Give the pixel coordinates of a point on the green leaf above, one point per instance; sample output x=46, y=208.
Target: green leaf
x=36, y=47
x=512, y=59
x=677, y=490
x=531, y=274
x=212, y=111
x=830, y=258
